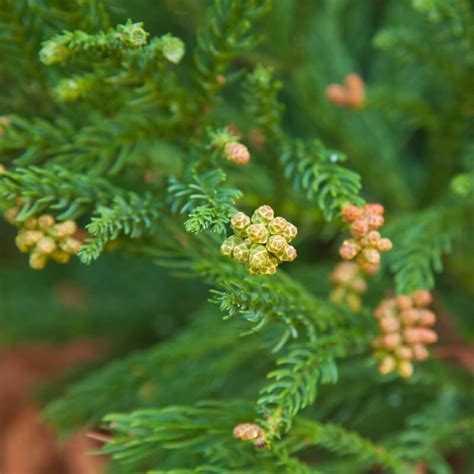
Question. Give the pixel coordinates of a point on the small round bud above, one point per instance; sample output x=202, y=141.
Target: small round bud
x=371, y=239
x=384, y=245
x=405, y=369
x=276, y=244
x=27, y=239
x=387, y=365
x=427, y=336
x=390, y=341
x=389, y=324
x=71, y=245
x=38, y=260
x=359, y=285
x=46, y=245
x=258, y=233
x=248, y=432
x=239, y=223
x=359, y=228
x=31, y=223
x=420, y=352
x=45, y=221
x=355, y=91
x=404, y=353
x=241, y=251
x=374, y=208
x=11, y=215
x=412, y=335
x=409, y=317
x=349, y=249
x=403, y=302
x=337, y=94
x=344, y=273
x=383, y=309
x=351, y=213
x=289, y=254
x=263, y=215
x=172, y=48
x=353, y=302
x=258, y=257
x=426, y=317
x=63, y=229
x=370, y=255
x=421, y=298
x=237, y=153
x=227, y=247
x=290, y=232
x=278, y=225
x=368, y=268
x=374, y=221
x=60, y=256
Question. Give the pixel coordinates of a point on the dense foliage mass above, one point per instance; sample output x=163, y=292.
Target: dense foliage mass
x=204, y=137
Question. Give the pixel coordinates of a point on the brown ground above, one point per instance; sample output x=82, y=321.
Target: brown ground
x=27, y=445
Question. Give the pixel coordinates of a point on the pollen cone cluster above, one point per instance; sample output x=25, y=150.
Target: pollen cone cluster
x=43, y=238
x=261, y=242
x=349, y=285
x=405, y=324
x=366, y=243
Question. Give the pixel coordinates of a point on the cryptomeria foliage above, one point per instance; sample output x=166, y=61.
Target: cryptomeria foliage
x=117, y=115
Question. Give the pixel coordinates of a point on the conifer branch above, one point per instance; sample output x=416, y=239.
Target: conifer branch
x=293, y=384
x=421, y=242
x=53, y=188
x=131, y=215
x=280, y=300
x=33, y=141
x=226, y=34
x=314, y=169
x=205, y=430
x=66, y=46
x=308, y=165
x=208, y=204
x=261, y=102
x=344, y=442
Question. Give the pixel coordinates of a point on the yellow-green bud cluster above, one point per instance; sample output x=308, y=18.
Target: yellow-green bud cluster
x=261, y=242
x=43, y=238
x=349, y=285
x=404, y=322
x=366, y=244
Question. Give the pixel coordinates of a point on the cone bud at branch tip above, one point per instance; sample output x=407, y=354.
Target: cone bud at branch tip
x=350, y=95
x=237, y=153
x=251, y=432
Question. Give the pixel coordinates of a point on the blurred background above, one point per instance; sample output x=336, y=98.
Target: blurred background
x=65, y=321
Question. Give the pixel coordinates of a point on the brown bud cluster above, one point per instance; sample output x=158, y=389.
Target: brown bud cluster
x=43, y=238
x=405, y=324
x=261, y=242
x=366, y=243
x=350, y=95
x=349, y=285
x=251, y=432
x=237, y=153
